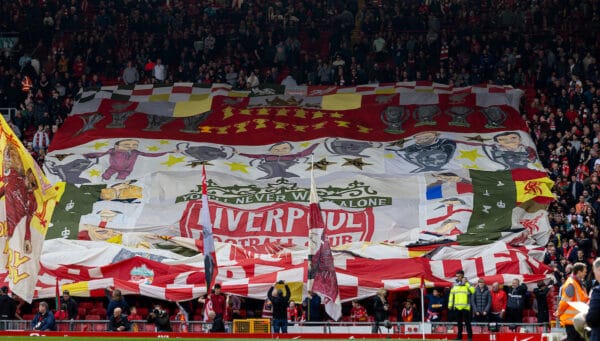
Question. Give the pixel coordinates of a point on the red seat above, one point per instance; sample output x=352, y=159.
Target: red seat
x=92, y=317
x=149, y=327
x=81, y=312
x=100, y=327
x=530, y=319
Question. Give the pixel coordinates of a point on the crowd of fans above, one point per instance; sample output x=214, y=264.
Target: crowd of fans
x=548, y=48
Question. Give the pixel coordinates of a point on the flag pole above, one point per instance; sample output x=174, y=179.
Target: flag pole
x=308, y=283
x=422, y=308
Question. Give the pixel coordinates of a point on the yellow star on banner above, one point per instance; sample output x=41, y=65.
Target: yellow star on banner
x=245, y=112
x=300, y=128
x=206, y=129
x=300, y=113
x=336, y=115
x=319, y=125
x=317, y=114
x=388, y=155
x=363, y=129
x=164, y=141
x=227, y=112
x=344, y=124
x=153, y=148
x=282, y=112
x=473, y=166
x=470, y=155
x=94, y=172
x=99, y=145
x=241, y=127
x=260, y=123
x=263, y=111
x=237, y=167
x=305, y=144
x=173, y=160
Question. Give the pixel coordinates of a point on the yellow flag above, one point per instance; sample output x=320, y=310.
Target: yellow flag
x=27, y=201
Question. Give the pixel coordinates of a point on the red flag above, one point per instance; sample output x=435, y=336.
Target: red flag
x=208, y=246
x=322, y=279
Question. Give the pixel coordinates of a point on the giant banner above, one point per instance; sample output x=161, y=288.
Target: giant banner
x=407, y=164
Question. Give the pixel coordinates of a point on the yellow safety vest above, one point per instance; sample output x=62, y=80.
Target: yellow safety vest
x=459, y=296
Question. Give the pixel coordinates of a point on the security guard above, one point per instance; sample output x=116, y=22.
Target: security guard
x=572, y=290
x=460, y=302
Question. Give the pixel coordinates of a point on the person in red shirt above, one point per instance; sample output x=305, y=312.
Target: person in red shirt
x=292, y=312
x=499, y=299
x=218, y=302
x=358, y=313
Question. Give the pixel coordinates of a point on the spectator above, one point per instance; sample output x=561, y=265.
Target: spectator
x=217, y=303
x=8, y=308
x=41, y=139
x=572, y=290
x=293, y=315
x=482, y=302
x=407, y=314
x=312, y=307
x=541, y=302
x=460, y=302
x=592, y=317
x=358, y=313
x=235, y=303
x=160, y=318
x=159, y=71
x=43, y=319
x=130, y=74
x=381, y=310
x=280, y=305
x=116, y=300
x=72, y=307
x=119, y=322
x=435, y=305
x=515, y=303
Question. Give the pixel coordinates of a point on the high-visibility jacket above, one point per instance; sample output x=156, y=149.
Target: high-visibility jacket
x=566, y=312
x=460, y=296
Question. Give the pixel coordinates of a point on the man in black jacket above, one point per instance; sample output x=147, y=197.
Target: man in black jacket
x=8, y=308
x=280, y=304
x=72, y=308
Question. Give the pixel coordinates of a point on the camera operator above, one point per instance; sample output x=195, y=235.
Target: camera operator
x=160, y=318
x=280, y=305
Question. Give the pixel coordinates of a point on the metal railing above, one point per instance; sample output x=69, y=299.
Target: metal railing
x=448, y=328
x=8, y=113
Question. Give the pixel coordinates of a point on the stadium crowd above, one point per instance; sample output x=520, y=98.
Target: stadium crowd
x=547, y=48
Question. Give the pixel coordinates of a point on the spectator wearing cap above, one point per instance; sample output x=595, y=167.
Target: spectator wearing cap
x=8, y=308
x=72, y=307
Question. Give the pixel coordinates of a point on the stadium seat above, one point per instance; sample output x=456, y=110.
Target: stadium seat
x=149, y=327
x=92, y=317
x=100, y=327
x=81, y=312
x=28, y=317
x=530, y=319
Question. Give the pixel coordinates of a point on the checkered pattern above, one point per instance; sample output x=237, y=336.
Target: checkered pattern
x=253, y=275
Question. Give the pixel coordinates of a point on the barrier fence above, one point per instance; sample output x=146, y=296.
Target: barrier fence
x=251, y=326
